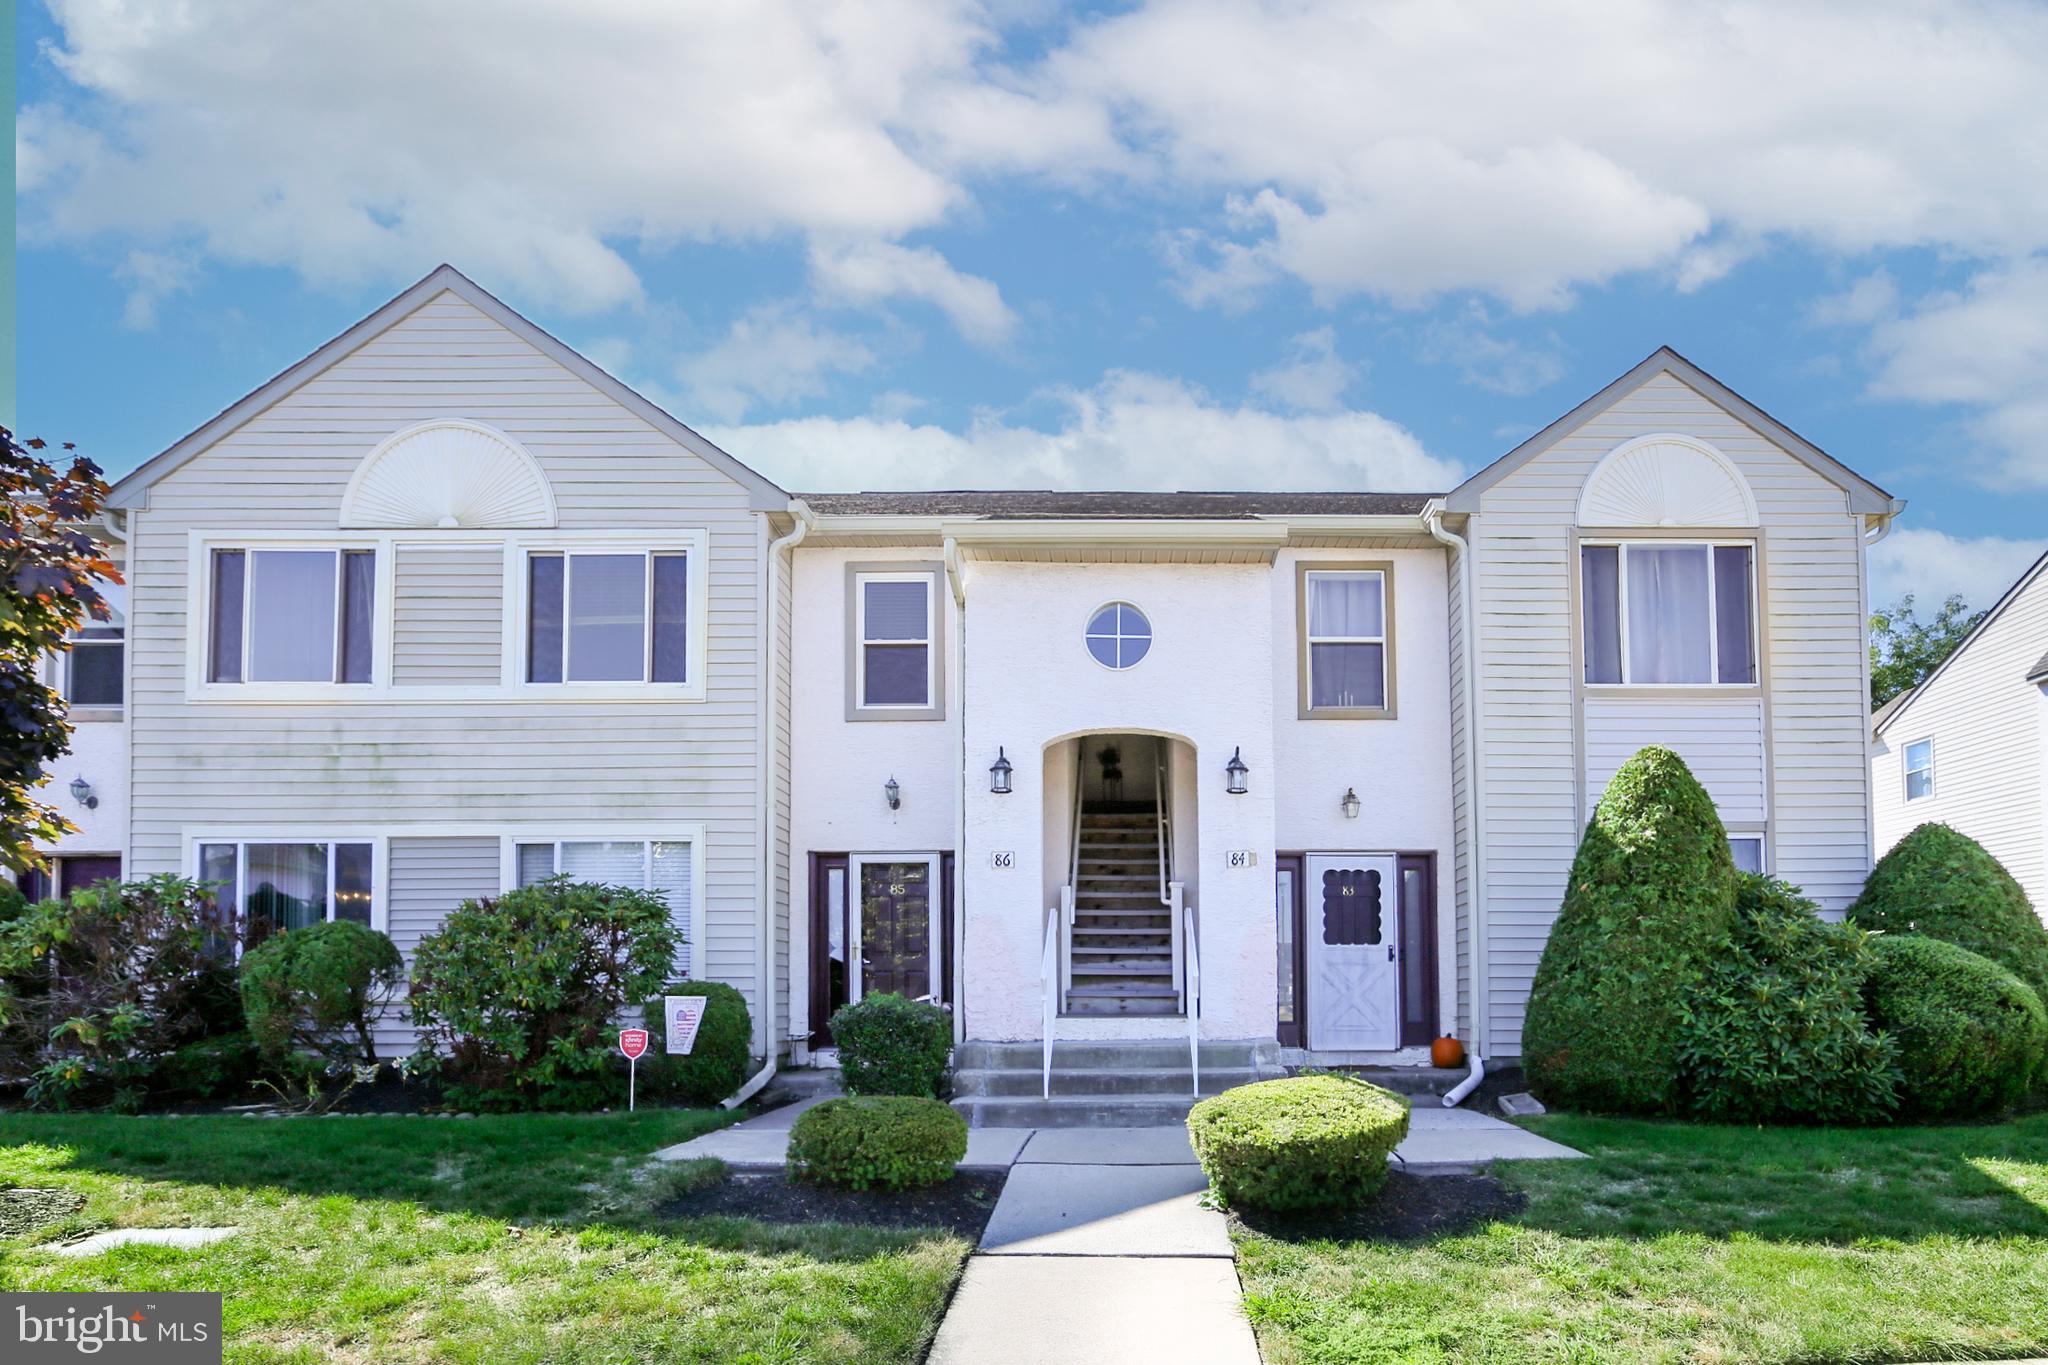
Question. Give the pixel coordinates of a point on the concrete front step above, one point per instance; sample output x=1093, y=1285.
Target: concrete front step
x=1137, y=1054
x=1074, y=1111
x=1098, y=1081
x=1123, y=1007
x=1410, y=1080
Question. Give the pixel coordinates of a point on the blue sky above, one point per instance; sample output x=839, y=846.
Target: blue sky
x=1173, y=244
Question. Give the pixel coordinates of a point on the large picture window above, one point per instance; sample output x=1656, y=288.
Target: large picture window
x=275, y=886
x=664, y=866
x=292, y=616
x=893, y=657
x=1668, y=613
x=608, y=617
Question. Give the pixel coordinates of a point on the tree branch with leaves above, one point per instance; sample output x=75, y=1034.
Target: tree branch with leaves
x=1905, y=649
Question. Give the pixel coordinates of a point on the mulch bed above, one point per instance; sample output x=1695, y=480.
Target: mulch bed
x=26, y=1208
x=961, y=1205
x=1408, y=1208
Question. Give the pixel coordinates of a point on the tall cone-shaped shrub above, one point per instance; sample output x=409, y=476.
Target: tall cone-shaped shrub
x=1652, y=891
x=1944, y=884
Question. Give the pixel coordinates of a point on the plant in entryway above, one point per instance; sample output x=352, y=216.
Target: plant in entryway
x=1305, y=1142
x=896, y=1142
x=892, y=1045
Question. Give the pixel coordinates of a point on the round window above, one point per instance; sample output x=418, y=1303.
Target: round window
x=1119, y=635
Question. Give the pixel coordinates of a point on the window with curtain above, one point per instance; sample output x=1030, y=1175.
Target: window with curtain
x=893, y=625
x=92, y=668
x=275, y=886
x=1919, y=769
x=1668, y=613
x=662, y=866
x=608, y=617
x=292, y=616
x=1346, y=648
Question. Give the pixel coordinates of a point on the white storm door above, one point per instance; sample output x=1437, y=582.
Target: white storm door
x=1351, y=920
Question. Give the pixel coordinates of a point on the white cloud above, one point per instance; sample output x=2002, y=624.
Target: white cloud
x=1313, y=378
x=1933, y=564
x=1870, y=299
x=151, y=277
x=872, y=271
x=1499, y=364
x=775, y=355
x=1129, y=431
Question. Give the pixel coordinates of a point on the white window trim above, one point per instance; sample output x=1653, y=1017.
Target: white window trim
x=1088, y=633
x=861, y=642
x=575, y=832
x=1906, y=769
x=199, y=687
x=1310, y=640
x=935, y=968
x=693, y=545
x=1713, y=613
x=1763, y=846
x=242, y=836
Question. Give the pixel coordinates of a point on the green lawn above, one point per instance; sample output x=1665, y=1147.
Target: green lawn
x=1680, y=1242
x=475, y=1240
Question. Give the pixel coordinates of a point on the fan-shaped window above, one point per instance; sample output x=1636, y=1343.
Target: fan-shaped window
x=448, y=473
x=1119, y=635
x=1666, y=480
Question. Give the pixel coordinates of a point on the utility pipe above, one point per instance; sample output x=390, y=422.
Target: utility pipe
x=771, y=614
x=957, y=582
x=1475, y=872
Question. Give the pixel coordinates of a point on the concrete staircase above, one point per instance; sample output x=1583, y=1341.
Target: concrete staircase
x=1097, y=1084
x=1122, y=946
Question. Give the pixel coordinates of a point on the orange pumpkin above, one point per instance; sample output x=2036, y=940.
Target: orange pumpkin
x=1447, y=1053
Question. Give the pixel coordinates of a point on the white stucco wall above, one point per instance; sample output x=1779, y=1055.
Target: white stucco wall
x=99, y=754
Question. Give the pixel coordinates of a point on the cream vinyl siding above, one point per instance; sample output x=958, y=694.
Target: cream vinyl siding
x=448, y=614
x=642, y=764
x=1989, y=725
x=426, y=879
x=1722, y=741
x=1813, y=663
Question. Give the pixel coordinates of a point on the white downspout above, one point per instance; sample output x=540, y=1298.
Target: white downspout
x=1433, y=517
x=771, y=615
x=957, y=582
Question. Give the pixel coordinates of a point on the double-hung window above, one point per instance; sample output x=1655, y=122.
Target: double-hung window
x=291, y=616
x=272, y=886
x=895, y=659
x=1919, y=769
x=604, y=616
x=91, y=670
x=1345, y=657
x=1669, y=613
x=663, y=866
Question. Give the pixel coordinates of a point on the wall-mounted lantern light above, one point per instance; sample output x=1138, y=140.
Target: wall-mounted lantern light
x=82, y=793
x=1236, y=772
x=892, y=793
x=999, y=774
x=1350, y=803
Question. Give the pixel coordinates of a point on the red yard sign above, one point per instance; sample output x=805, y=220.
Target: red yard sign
x=633, y=1042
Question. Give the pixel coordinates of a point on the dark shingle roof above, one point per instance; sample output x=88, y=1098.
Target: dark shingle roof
x=1884, y=713
x=1045, y=504
x=2039, y=670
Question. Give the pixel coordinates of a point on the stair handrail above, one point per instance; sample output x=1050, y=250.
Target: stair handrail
x=1176, y=895
x=1159, y=811
x=1049, y=978
x=1074, y=864
x=1194, y=1005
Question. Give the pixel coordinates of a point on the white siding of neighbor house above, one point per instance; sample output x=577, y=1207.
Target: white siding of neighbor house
x=1987, y=723
x=228, y=765
x=1538, y=781
x=449, y=608
x=426, y=878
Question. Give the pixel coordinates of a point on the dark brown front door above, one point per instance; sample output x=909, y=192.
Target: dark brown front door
x=896, y=913
x=76, y=874
x=894, y=930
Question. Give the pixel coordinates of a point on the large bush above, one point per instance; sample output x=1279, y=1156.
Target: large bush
x=1775, y=1032
x=100, y=990
x=893, y=1141
x=718, y=1063
x=1971, y=1035
x=1943, y=884
x=1300, y=1143
x=13, y=905
x=315, y=992
x=891, y=1045
x=517, y=997
x=1651, y=898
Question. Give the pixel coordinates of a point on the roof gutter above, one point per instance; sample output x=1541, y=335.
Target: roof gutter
x=956, y=581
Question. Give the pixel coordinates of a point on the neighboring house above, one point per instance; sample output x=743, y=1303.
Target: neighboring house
x=445, y=608
x=1968, y=747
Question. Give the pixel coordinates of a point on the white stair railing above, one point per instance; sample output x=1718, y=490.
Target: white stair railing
x=1176, y=894
x=1049, y=980
x=1194, y=999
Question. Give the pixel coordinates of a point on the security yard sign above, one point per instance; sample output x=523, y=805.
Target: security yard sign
x=685, y=1013
x=632, y=1042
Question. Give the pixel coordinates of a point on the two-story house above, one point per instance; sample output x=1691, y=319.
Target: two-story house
x=445, y=608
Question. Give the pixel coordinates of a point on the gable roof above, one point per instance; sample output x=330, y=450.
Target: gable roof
x=764, y=495
x=1864, y=496
x=1038, y=504
x=1894, y=708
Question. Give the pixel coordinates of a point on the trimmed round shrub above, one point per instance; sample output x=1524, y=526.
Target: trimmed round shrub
x=895, y=1142
x=1942, y=884
x=1301, y=1143
x=1971, y=1035
x=1775, y=1031
x=1650, y=900
x=718, y=1063
x=892, y=1045
x=13, y=905
x=517, y=997
x=316, y=991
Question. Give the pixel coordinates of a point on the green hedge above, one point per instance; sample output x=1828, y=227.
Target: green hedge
x=1971, y=1035
x=1775, y=1032
x=1944, y=885
x=1304, y=1142
x=720, y=1061
x=893, y=1141
x=1650, y=899
x=890, y=1045
x=314, y=993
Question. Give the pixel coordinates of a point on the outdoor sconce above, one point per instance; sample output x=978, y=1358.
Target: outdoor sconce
x=999, y=774
x=1350, y=803
x=892, y=793
x=1236, y=772
x=82, y=793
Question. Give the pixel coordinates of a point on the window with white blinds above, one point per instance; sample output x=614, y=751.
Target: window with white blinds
x=664, y=866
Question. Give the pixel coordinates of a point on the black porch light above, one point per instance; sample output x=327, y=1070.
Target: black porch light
x=1236, y=772
x=892, y=793
x=999, y=774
